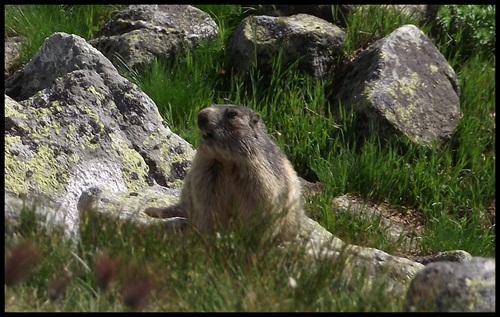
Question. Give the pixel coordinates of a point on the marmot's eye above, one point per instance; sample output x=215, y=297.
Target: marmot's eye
x=231, y=114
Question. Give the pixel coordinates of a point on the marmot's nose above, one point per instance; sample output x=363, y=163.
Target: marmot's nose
x=203, y=119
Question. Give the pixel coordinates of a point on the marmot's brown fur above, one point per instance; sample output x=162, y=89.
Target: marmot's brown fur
x=240, y=177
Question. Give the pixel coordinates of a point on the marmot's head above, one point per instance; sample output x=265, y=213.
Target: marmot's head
x=229, y=130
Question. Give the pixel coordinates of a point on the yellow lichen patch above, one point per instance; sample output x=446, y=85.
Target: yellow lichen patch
x=73, y=158
x=480, y=284
x=404, y=87
x=88, y=145
x=434, y=69
x=96, y=93
x=57, y=129
x=402, y=116
x=72, y=142
x=46, y=174
x=165, y=152
x=14, y=181
x=12, y=109
x=133, y=165
x=43, y=130
x=475, y=287
x=384, y=55
x=86, y=139
x=56, y=106
x=39, y=113
x=176, y=184
x=408, y=85
x=89, y=113
x=255, y=32
x=43, y=116
x=309, y=23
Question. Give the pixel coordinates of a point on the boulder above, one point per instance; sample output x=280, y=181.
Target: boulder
x=78, y=124
x=141, y=33
x=402, y=83
x=467, y=286
x=259, y=39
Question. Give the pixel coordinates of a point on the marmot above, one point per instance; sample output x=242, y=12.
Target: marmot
x=239, y=175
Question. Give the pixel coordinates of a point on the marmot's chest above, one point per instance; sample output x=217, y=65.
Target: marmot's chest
x=233, y=177
x=238, y=188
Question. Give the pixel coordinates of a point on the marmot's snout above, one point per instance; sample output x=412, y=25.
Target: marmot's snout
x=204, y=123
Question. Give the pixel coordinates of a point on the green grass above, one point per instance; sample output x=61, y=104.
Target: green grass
x=368, y=23
x=34, y=23
x=185, y=274
x=451, y=187
x=464, y=31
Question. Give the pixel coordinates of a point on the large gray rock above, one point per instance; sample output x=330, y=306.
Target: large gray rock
x=59, y=55
x=402, y=83
x=79, y=124
x=467, y=286
x=140, y=33
x=314, y=41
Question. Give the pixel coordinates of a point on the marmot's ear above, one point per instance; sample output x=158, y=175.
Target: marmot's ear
x=255, y=119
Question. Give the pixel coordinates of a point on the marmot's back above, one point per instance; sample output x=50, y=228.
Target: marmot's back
x=240, y=175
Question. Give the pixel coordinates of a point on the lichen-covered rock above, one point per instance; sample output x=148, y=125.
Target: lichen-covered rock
x=370, y=264
x=79, y=124
x=314, y=41
x=59, y=55
x=130, y=205
x=140, y=33
x=467, y=286
x=402, y=83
